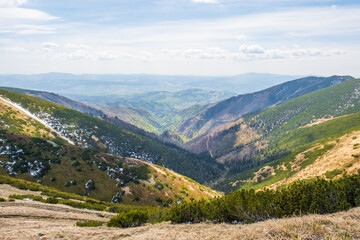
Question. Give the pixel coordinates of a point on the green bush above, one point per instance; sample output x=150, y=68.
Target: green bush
x=75, y=163
x=132, y=218
x=158, y=199
x=90, y=185
x=159, y=185
x=332, y=174
x=27, y=196
x=89, y=223
x=247, y=206
x=52, y=200
x=2, y=200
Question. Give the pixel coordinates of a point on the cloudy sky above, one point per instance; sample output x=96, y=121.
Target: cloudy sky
x=180, y=37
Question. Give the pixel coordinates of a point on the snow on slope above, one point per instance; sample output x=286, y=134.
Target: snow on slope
x=36, y=118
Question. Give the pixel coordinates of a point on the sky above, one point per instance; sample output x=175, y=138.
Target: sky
x=180, y=37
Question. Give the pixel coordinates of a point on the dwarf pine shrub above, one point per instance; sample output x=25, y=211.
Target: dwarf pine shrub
x=133, y=218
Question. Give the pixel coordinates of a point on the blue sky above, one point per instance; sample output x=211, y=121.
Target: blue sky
x=183, y=37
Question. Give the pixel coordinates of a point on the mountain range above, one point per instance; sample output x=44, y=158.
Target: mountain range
x=263, y=139
x=297, y=144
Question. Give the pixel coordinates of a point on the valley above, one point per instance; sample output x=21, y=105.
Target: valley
x=240, y=149
x=95, y=155
x=192, y=119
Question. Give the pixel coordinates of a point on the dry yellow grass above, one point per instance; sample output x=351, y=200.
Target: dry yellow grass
x=194, y=189
x=28, y=129
x=340, y=157
x=32, y=220
x=24, y=222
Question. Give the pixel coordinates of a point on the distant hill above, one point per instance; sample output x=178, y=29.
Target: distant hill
x=159, y=103
x=233, y=108
x=124, y=84
x=56, y=98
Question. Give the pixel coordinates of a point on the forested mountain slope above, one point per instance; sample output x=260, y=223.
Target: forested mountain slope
x=329, y=149
x=87, y=131
x=300, y=129
x=33, y=151
x=231, y=109
x=312, y=108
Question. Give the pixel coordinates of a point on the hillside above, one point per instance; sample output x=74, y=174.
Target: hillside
x=95, y=174
x=55, y=98
x=159, y=103
x=328, y=149
x=312, y=108
x=232, y=109
x=109, y=114
x=317, y=141
x=87, y=131
x=33, y=151
x=255, y=139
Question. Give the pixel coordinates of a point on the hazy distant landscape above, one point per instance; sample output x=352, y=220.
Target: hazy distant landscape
x=193, y=119
x=127, y=85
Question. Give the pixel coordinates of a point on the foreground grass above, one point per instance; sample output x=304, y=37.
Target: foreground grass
x=60, y=222
x=342, y=225
x=89, y=223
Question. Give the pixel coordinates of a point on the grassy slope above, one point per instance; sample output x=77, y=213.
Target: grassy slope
x=333, y=101
x=233, y=108
x=17, y=122
x=313, y=142
x=58, y=164
x=93, y=132
x=161, y=184
x=281, y=128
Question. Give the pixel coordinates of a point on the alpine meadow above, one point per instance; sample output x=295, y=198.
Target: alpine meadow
x=193, y=119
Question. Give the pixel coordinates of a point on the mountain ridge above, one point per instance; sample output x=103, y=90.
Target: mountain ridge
x=231, y=109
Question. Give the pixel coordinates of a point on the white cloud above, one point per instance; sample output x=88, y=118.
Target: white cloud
x=205, y=1
x=251, y=52
x=241, y=37
x=255, y=49
x=265, y=38
x=17, y=20
x=7, y=14
x=77, y=55
x=49, y=45
x=12, y=3
x=208, y=53
x=146, y=56
x=110, y=55
x=15, y=49
x=76, y=46
x=289, y=53
x=47, y=48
